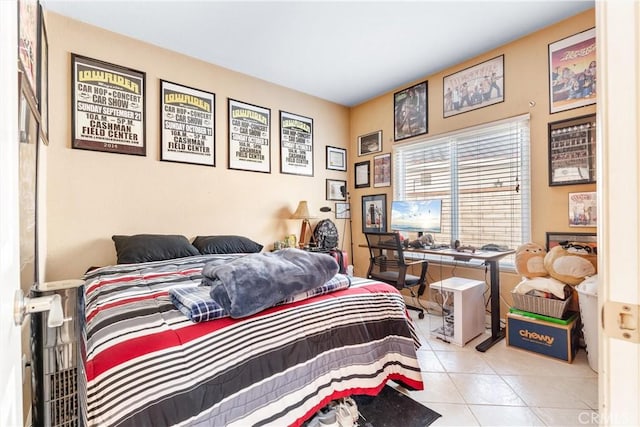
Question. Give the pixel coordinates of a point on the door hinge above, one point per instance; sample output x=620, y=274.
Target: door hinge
x=621, y=320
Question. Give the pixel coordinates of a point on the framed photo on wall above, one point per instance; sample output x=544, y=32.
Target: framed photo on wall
x=370, y=143
x=108, y=107
x=382, y=170
x=296, y=144
x=43, y=88
x=572, y=151
x=28, y=49
x=336, y=158
x=343, y=211
x=474, y=87
x=374, y=213
x=556, y=238
x=336, y=189
x=410, y=112
x=572, y=71
x=583, y=209
x=249, y=137
x=187, y=118
x=362, y=173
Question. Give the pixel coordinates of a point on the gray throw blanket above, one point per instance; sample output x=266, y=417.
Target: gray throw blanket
x=254, y=282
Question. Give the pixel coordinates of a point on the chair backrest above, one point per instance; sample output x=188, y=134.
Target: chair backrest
x=379, y=243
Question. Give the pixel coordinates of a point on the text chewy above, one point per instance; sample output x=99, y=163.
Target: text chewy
x=536, y=336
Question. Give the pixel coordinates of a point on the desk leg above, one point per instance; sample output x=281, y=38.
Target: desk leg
x=496, y=332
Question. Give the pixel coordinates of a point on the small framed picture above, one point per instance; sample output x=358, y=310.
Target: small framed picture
x=343, y=211
x=572, y=71
x=555, y=238
x=410, y=112
x=572, y=151
x=374, y=213
x=582, y=209
x=362, y=174
x=370, y=143
x=336, y=158
x=336, y=189
x=382, y=170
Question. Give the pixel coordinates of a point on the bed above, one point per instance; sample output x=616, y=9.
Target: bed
x=144, y=363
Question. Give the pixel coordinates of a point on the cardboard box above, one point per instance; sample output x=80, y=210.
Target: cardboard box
x=550, y=339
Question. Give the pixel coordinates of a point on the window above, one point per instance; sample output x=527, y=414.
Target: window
x=481, y=174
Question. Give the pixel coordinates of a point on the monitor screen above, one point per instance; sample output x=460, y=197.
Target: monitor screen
x=416, y=215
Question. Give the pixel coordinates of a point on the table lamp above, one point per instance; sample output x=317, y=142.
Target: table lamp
x=302, y=212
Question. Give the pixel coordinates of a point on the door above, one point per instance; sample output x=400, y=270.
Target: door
x=10, y=364
x=618, y=81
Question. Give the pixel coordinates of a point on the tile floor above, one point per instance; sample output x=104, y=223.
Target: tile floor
x=504, y=386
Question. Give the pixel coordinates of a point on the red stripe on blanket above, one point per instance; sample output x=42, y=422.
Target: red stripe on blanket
x=105, y=282
x=92, y=313
x=370, y=391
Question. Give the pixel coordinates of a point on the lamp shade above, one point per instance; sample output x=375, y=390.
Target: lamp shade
x=302, y=212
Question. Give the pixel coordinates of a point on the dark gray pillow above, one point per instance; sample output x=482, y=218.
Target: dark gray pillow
x=226, y=245
x=152, y=247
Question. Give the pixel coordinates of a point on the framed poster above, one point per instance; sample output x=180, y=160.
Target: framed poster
x=336, y=189
x=382, y=170
x=555, y=238
x=187, y=118
x=336, y=158
x=410, y=112
x=362, y=174
x=583, y=209
x=28, y=34
x=475, y=87
x=370, y=143
x=343, y=211
x=296, y=144
x=572, y=151
x=249, y=137
x=43, y=88
x=572, y=71
x=107, y=103
x=374, y=213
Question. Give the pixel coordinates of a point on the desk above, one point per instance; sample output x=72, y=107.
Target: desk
x=490, y=258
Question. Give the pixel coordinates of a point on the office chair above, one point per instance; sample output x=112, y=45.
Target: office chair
x=387, y=264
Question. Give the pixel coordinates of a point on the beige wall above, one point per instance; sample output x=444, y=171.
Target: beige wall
x=92, y=195
x=526, y=80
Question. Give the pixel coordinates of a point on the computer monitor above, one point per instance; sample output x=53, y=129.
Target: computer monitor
x=422, y=216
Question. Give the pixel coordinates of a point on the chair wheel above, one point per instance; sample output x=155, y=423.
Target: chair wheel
x=421, y=315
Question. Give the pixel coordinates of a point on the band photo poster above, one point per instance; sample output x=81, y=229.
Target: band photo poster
x=296, y=144
x=188, y=121
x=249, y=137
x=107, y=107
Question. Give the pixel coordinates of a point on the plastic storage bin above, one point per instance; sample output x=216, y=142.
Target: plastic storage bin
x=588, y=300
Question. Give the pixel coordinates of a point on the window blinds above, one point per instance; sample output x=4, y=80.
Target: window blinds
x=482, y=176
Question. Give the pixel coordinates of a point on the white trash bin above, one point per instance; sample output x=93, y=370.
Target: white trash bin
x=588, y=300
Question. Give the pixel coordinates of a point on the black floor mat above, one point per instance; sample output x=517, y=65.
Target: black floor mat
x=391, y=408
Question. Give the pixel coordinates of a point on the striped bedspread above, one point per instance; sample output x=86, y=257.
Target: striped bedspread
x=144, y=363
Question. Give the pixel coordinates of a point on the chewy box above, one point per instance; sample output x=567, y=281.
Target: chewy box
x=551, y=339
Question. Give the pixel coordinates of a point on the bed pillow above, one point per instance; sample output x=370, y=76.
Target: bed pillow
x=226, y=245
x=152, y=247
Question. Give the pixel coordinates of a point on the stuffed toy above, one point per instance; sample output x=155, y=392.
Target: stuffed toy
x=570, y=263
x=530, y=260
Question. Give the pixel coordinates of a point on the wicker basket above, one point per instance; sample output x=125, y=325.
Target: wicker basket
x=546, y=306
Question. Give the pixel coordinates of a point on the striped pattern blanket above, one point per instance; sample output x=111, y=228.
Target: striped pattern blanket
x=144, y=363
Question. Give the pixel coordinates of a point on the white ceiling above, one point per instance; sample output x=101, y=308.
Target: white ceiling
x=342, y=51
